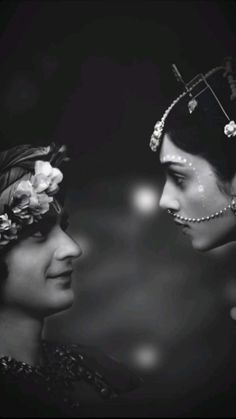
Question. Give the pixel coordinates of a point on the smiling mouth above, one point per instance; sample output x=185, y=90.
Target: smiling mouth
x=64, y=280
x=65, y=274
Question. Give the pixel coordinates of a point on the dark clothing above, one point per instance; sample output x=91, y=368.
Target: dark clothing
x=73, y=381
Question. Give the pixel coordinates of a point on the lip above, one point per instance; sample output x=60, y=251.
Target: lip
x=184, y=227
x=65, y=274
x=180, y=223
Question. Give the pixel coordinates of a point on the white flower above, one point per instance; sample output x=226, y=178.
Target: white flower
x=42, y=168
x=56, y=178
x=24, y=190
x=230, y=129
x=31, y=200
x=5, y=223
x=44, y=202
x=23, y=215
x=46, y=177
x=9, y=233
x=25, y=197
x=40, y=182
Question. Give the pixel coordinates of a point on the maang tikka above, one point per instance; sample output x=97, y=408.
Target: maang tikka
x=229, y=128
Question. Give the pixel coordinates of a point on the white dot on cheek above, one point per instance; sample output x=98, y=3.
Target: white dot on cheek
x=200, y=188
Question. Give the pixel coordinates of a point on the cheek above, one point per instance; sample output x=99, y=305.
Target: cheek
x=209, y=235
x=204, y=197
x=29, y=263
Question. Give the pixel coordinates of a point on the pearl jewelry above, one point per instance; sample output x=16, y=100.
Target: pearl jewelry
x=229, y=129
x=202, y=219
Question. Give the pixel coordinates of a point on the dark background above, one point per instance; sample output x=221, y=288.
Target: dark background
x=96, y=76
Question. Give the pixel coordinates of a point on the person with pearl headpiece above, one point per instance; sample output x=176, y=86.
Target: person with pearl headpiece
x=196, y=140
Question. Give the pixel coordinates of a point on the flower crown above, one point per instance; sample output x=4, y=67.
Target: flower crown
x=30, y=200
x=229, y=128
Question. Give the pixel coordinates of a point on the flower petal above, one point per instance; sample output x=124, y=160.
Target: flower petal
x=43, y=167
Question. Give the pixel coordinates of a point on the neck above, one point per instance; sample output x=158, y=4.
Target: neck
x=20, y=336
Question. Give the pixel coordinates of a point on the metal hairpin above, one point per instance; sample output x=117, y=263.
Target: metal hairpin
x=229, y=128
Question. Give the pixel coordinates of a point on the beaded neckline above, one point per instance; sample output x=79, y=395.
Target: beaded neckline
x=62, y=367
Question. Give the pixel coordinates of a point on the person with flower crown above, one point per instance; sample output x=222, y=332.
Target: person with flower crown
x=37, y=377
x=196, y=140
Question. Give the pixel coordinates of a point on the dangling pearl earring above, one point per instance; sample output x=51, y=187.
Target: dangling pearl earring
x=233, y=204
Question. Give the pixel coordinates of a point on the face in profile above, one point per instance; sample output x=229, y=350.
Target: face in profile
x=40, y=269
x=192, y=191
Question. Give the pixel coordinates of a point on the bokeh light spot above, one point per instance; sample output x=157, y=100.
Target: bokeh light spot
x=146, y=356
x=145, y=199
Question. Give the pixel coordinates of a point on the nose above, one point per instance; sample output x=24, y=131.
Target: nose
x=168, y=199
x=67, y=247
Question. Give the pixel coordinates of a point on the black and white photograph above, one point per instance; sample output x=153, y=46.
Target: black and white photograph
x=118, y=208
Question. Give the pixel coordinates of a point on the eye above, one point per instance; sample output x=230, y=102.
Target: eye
x=177, y=178
x=38, y=234
x=42, y=230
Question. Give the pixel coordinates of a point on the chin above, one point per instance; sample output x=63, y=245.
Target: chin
x=206, y=245
x=61, y=303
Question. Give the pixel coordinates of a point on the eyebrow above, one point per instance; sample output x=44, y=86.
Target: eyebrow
x=170, y=162
x=54, y=218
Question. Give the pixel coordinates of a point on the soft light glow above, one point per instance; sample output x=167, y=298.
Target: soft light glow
x=146, y=356
x=145, y=199
x=233, y=313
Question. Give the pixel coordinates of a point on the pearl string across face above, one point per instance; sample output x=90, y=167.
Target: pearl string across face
x=200, y=189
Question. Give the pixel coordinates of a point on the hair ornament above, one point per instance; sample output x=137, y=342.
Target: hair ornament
x=233, y=204
x=229, y=128
x=30, y=198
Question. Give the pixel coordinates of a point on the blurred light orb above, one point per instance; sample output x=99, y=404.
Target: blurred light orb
x=233, y=313
x=146, y=356
x=145, y=199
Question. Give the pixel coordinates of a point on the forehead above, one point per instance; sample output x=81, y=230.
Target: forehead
x=173, y=156
x=171, y=152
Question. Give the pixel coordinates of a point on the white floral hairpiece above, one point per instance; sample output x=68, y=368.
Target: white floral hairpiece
x=30, y=201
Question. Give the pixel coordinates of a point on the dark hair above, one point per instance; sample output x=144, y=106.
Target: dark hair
x=202, y=132
x=3, y=271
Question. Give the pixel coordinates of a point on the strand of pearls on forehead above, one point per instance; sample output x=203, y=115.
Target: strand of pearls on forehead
x=173, y=158
x=202, y=219
x=229, y=129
